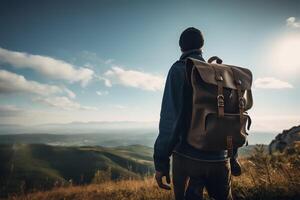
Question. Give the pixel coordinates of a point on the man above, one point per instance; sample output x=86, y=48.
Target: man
x=202, y=168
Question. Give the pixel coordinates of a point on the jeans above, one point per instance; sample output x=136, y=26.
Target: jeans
x=191, y=176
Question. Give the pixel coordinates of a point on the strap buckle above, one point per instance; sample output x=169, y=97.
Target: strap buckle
x=238, y=82
x=242, y=102
x=219, y=77
x=220, y=100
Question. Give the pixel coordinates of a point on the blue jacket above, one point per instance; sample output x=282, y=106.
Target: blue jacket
x=175, y=118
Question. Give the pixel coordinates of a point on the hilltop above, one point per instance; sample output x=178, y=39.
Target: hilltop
x=25, y=167
x=265, y=177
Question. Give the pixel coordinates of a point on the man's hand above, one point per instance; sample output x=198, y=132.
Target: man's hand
x=159, y=179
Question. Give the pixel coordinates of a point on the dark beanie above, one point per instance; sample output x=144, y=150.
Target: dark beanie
x=191, y=38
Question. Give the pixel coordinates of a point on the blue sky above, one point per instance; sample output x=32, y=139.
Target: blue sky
x=64, y=61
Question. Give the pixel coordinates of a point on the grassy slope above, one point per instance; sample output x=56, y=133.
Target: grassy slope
x=244, y=187
x=127, y=189
x=39, y=166
x=45, y=163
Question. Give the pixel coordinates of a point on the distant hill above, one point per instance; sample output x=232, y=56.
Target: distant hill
x=39, y=166
x=79, y=127
x=108, y=138
x=285, y=140
x=102, y=133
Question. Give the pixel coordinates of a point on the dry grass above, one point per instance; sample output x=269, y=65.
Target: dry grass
x=269, y=177
x=120, y=190
x=265, y=177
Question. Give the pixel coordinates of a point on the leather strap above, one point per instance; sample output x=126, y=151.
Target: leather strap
x=229, y=146
x=241, y=102
x=220, y=96
x=219, y=78
x=241, y=99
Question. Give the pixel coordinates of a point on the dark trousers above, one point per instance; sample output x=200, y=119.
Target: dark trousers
x=191, y=176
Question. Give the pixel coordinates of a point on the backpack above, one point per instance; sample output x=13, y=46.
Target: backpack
x=221, y=96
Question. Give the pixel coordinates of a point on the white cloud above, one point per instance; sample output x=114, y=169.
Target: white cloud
x=107, y=82
x=14, y=83
x=50, y=67
x=271, y=83
x=102, y=93
x=70, y=93
x=133, y=78
x=293, y=22
x=9, y=110
x=63, y=103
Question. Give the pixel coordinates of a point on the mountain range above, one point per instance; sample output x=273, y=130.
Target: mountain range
x=96, y=133
x=77, y=127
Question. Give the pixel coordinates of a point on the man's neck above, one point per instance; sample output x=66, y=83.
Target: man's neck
x=186, y=54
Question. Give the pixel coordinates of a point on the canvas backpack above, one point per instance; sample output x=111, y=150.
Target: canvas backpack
x=221, y=97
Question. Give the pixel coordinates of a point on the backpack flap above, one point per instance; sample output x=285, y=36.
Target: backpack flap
x=229, y=74
x=207, y=73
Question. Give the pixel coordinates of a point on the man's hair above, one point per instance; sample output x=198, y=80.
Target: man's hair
x=191, y=38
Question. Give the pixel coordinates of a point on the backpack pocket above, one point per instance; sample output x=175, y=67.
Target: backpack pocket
x=218, y=128
x=212, y=131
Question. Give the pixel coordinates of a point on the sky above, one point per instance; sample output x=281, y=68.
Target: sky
x=65, y=61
